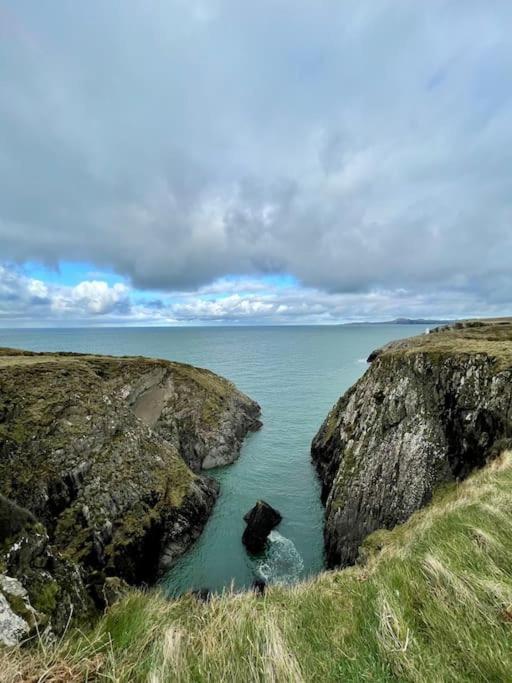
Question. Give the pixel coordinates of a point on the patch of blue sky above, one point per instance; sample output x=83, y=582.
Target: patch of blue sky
x=283, y=281
x=71, y=273
x=246, y=285
x=223, y=288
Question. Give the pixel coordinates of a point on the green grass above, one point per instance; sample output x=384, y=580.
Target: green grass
x=432, y=603
x=492, y=338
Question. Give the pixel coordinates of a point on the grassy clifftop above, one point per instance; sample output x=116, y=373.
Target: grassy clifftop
x=433, y=602
x=175, y=400
x=492, y=338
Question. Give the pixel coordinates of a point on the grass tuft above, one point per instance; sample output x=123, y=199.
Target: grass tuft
x=433, y=602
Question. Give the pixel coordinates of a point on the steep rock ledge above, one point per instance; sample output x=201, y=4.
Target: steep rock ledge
x=200, y=413
x=429, y=410
x=99, y=461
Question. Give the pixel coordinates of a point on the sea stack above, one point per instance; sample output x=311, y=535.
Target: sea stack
x=261, y=519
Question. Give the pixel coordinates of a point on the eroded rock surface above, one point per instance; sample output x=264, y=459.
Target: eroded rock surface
x=206, y=420
x=428, y=410
x=99, y=471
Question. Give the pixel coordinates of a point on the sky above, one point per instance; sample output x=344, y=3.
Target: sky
x=187, y=162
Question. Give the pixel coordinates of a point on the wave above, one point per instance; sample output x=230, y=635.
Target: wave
x=282, y=562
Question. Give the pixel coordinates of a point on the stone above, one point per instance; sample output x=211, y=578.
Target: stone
x=114, y=589
x=12, y=627
x=18, y=618
x=261, y=519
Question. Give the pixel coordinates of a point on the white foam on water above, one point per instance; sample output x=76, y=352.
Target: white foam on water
x=282, y=562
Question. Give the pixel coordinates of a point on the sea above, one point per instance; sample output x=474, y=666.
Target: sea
x=296, y=373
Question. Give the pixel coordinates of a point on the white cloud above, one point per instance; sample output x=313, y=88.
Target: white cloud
x=36, y=289
x=24, y=299
x=97, y=297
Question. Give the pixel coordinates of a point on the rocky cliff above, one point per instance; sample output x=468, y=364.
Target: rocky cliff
x=429, y=409
x=99, y=475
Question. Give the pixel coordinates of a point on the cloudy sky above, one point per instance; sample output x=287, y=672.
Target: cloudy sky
x=279, y=161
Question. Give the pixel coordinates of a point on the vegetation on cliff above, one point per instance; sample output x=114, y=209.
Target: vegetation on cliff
x=431, y=602
x=492, y=337
x=95, y=471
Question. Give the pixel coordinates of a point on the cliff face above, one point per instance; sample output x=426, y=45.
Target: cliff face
x=429, y=410
x=99, y=461
x=198, y=412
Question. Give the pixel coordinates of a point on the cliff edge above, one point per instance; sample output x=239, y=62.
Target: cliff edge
x=99, y=476
x=430, y=409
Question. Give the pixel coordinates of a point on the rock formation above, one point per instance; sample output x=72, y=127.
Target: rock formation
x=261, y=519
x=99, y=475
x=429, y=410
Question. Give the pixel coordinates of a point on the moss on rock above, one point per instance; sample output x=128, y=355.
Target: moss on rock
x=13, y=519
x=98, y=451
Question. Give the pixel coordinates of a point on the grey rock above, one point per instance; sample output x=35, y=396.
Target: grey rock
x=12, y=627
x=260, y=519
x=429, y=410
x=114, y=589
x=206, y=421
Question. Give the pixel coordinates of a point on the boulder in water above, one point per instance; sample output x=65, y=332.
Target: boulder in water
x=261, y=519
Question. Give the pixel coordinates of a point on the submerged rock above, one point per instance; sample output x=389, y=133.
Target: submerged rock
x=99, y=471
x=428, y=410
x=261, y=519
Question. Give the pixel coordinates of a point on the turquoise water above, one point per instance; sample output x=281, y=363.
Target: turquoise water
x=296, y=374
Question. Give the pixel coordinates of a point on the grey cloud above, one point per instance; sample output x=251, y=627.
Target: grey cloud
x=359, y=146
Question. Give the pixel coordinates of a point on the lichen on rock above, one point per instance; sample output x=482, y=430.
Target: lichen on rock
x=13, y=628
x=430, y=409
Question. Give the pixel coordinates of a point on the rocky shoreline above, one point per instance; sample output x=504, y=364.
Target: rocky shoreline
x=100, y=483
x=102, y=458
x=429, y=410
